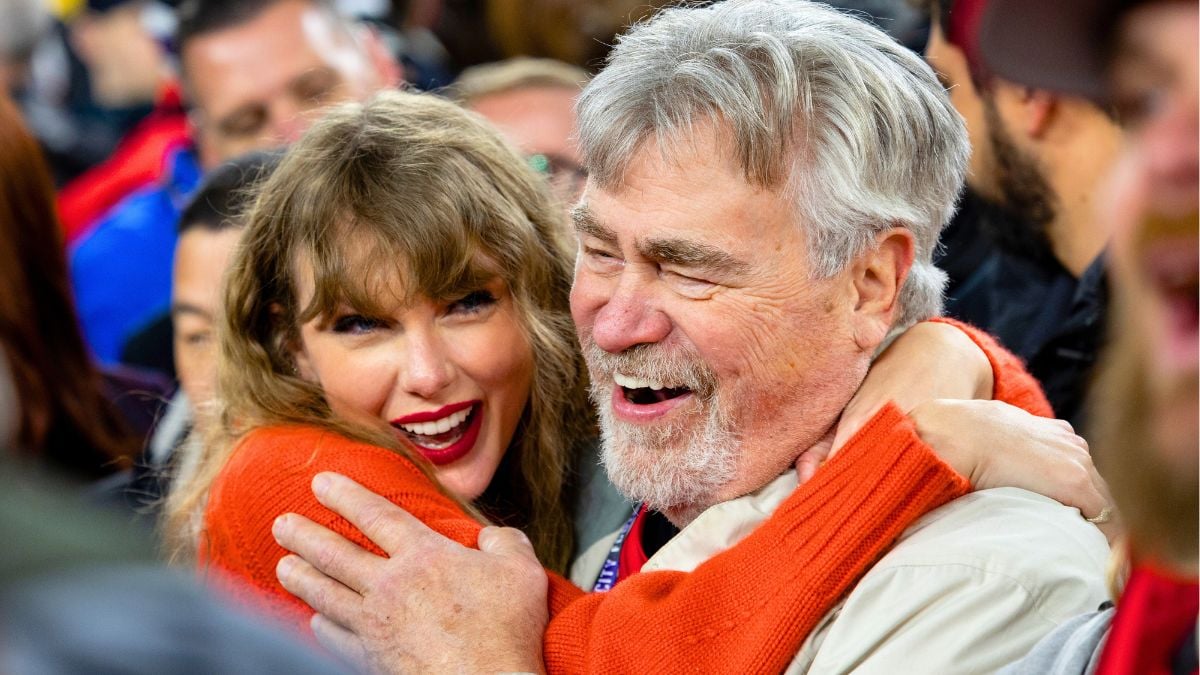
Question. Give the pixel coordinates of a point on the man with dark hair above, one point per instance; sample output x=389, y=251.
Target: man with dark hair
x=255, y=75
x=1037, y=158
x=209, y=230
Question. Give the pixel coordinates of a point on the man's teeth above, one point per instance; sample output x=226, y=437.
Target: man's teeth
x=639, y=383
x=435, y=427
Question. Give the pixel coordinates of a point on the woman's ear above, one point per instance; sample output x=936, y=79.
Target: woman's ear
x=878, y=277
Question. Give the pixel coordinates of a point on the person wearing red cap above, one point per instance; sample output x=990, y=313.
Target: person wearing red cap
x=1140, y=58
x=1036, y=163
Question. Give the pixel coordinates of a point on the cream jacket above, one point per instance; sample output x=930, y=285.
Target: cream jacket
x=968, y=588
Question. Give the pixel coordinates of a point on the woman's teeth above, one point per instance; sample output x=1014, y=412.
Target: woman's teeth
x=435, y=427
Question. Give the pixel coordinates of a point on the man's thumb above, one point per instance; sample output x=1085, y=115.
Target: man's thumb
x=506, y=541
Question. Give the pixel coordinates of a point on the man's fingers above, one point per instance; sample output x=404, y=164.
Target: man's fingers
x=384, y=523
x=506, y=541
x=340, y=641
x=327, y=551
x=323, y=594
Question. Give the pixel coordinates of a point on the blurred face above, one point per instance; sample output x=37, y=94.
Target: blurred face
x=541, y=121
x=950, y=65
x=1005, y=175
x=714, y=358
x=201, y=259
x=1153, y=208
x=451, y=378
x=262, y=83
x=125, y=64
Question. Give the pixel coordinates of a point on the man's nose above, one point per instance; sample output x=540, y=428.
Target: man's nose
x=426, y=369
x=629, y=318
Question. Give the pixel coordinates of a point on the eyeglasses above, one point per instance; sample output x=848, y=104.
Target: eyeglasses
x=565, y=176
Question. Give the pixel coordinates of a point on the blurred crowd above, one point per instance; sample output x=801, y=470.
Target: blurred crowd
x=245, y=242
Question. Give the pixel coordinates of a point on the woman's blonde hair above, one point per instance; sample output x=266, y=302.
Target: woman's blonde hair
x=423, y=191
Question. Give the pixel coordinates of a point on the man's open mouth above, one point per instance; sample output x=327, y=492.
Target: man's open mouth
x=640, y=391
x=441, y=433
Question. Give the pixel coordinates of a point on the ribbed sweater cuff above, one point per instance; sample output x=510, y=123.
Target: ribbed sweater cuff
x=750, y=608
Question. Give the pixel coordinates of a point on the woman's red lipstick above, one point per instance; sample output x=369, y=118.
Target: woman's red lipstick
x=456, y=450
x=429, y=416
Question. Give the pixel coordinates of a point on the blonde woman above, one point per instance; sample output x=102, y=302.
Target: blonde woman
x=397, y=313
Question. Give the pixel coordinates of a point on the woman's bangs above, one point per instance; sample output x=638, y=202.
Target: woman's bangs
x=375, y=270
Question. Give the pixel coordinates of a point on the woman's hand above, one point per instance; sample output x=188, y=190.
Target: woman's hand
x=993, y=444
x=928, y=361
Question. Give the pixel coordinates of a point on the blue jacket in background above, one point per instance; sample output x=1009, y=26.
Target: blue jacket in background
x=121, y=270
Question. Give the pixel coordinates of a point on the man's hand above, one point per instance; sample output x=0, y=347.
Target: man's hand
x=431, y=606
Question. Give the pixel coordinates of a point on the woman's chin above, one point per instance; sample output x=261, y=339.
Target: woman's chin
x=462, y=482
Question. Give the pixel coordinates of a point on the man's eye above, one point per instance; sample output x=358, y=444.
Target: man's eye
x=315, y=86
x=689, y=287
x=244, y=123
x=1134, y=108
x=356, y=324
x=197, y=339
x=600, y=258
x=472, y=302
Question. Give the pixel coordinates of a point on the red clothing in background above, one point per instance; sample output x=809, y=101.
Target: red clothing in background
x=139, y=160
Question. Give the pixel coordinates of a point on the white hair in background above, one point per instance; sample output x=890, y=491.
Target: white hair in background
x=818, y=104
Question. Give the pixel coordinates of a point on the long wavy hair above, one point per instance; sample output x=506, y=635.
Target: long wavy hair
x=439, y=199
x=64, y=417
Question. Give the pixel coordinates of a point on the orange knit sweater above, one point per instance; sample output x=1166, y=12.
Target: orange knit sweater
x=746, y=610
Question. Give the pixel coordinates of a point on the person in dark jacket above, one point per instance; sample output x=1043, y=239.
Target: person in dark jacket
x=1037, y=160
x=1140, y=57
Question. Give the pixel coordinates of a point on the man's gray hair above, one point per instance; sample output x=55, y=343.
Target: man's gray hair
x=816, y=103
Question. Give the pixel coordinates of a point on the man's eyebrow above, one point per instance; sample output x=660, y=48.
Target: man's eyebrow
x=187, y=308
x=692, y=255
x=587, y=226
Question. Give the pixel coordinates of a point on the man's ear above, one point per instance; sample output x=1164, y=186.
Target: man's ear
x=877, y=277
x=1038, y=108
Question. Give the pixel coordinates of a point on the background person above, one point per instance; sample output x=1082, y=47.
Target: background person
x=1142, y=58
x=54, y=407
x=255, y=75
x=209, y=230
x=532, y=102
x=1038, y=159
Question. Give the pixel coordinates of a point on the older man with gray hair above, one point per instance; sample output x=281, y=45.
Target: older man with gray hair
x=767, y=180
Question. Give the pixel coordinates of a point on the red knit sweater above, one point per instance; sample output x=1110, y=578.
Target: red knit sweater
x=746, y=610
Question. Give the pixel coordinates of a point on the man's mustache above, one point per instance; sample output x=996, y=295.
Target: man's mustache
x=674, y=366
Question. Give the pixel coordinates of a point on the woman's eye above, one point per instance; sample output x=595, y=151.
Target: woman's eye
x=355, y=324
x=472, y=302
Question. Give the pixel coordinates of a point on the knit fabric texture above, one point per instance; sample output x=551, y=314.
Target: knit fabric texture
x=746, y=610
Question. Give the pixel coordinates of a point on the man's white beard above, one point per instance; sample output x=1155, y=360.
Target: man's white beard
x=675, y=467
